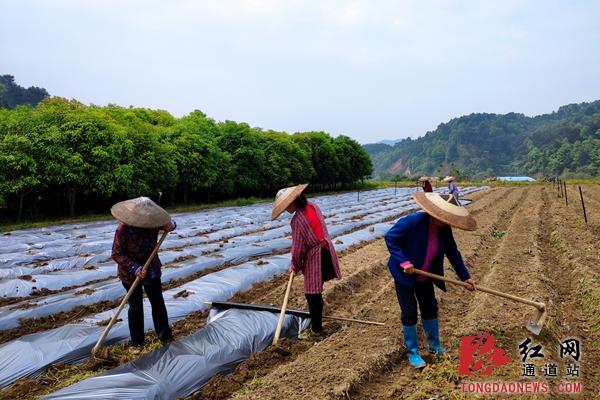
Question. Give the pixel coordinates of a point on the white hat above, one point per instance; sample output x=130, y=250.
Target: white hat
x=141, y=213
x=444, y=208
x=285, y=197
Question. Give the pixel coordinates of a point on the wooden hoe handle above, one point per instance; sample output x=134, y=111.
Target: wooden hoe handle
x=283, y=308
x=539, y=306
x=128, y=295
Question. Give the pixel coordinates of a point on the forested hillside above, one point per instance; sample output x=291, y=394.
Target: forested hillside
x=564, y=143
x=12, y=95
x=65, y=157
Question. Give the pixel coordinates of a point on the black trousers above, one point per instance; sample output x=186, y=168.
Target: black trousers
x=153, y=288
x=408, y=297
x=315, y=307
x=315, y=301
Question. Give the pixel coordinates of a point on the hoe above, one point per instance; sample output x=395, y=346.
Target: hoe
x=97, y=351
x=534, y=325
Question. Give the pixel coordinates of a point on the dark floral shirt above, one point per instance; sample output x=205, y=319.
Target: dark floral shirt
x=131, y=248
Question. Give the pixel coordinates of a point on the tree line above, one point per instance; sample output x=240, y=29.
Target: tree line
x=12, y=94
x=65, y=157
x=565, y=143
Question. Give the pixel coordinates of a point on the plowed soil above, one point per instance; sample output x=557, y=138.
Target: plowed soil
x=528, y=243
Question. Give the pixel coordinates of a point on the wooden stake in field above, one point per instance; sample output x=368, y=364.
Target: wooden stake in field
x=566, y=199
x=583, y=205
x=560, y=188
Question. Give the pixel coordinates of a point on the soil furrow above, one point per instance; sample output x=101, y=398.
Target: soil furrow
x=382, y=348
x=476, y=247
x=571, y=258
x=356, y=280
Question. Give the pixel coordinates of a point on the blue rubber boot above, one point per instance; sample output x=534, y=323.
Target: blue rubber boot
x=411, y=340
x=433, y=334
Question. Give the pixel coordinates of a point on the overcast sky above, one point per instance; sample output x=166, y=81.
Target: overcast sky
x=372, y=70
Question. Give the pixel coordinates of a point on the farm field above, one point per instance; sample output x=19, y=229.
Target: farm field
x=543, y=251
x=58, y=281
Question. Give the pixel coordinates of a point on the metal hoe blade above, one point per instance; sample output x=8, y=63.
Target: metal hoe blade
x=535, y=325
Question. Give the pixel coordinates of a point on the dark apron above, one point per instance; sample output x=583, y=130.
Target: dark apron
x=327, y=268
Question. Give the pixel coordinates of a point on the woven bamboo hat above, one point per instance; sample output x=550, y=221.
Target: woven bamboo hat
x=285, y=197
x=141, y=213
x=449, y=178
x=444, y=208
x=424, y=179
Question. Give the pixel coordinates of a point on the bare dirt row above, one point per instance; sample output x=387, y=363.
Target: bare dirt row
x=528, y=243
x=379, y=346
x=513, y=250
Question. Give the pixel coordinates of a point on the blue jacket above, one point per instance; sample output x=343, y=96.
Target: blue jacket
x=407, y=241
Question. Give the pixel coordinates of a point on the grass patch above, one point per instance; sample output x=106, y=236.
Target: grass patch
x=497, y=233
x=256, y=382
x=502, y=338
x=590, y=301
x=440, y=382
x=555, y=241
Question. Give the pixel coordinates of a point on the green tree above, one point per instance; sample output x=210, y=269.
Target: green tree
x=200, y=162
x=354, y=162
x=84, y=152
x=18, y=168
x=324, y=159
x=286, y=162
x=152, y=156
x=248, y=159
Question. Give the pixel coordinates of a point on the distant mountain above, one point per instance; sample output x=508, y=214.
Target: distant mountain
x=12, y=95
x=563, y=143
x=389, y=142
x=376, y=148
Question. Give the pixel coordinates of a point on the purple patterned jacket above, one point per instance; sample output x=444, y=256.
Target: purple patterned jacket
x=131, y=248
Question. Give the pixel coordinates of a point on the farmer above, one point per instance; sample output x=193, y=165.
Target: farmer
x=425, y=184
x=452, y=187
x=136, y=236
x=313, y=253
x=420, y=241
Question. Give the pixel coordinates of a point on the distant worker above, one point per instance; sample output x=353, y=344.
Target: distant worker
x=313, y=254
x=452, y=187
x=136, y=236
x=425, y=184
x=420, y=241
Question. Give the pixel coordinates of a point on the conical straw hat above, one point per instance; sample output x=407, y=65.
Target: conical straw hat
x=141, y=213
x=285, y=197
x=424, y=179
x=444, y=208
x=449, y=178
